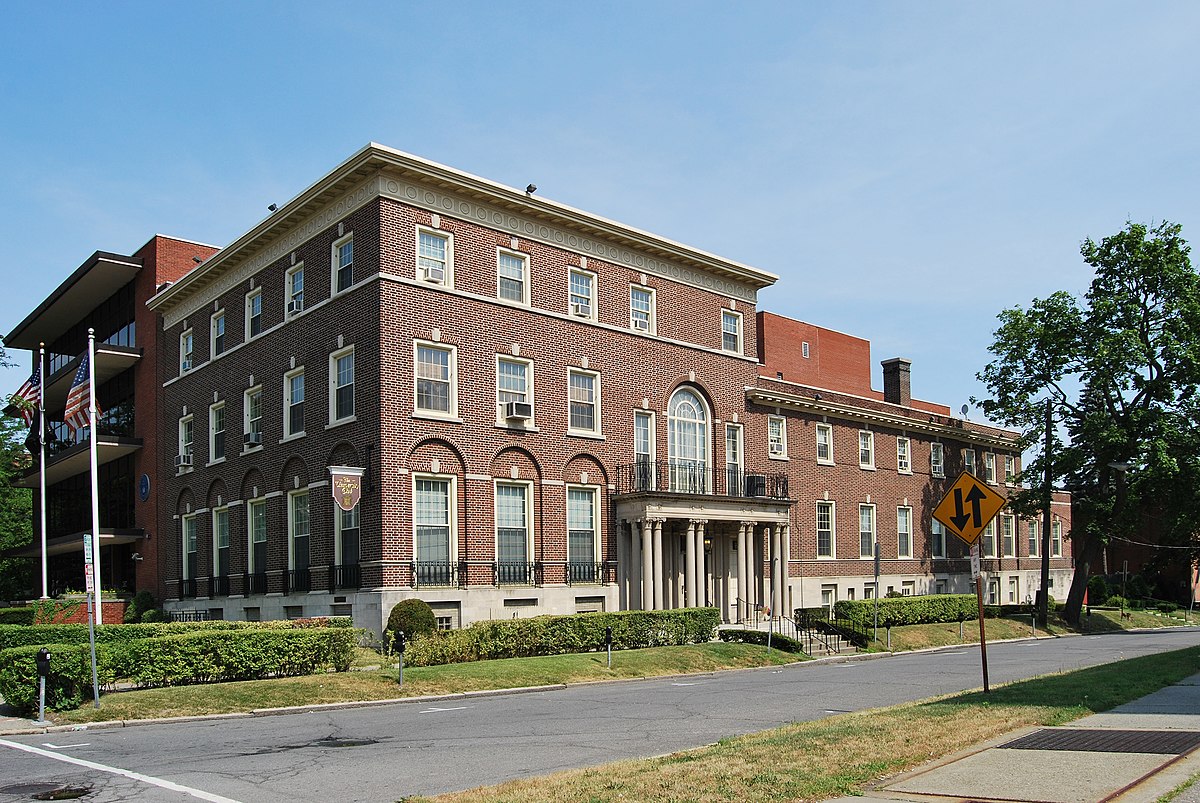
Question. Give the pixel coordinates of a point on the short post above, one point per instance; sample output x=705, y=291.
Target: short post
x=1032, y=617
x=982, y=638
x=770, y=626
x=608, y=644
x=43, y=670
x=400, y=649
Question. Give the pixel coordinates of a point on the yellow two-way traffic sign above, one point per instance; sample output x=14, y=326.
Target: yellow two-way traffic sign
x=968, y=507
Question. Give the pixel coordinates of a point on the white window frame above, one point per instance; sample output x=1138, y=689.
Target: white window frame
x=937, y=460
x=907, y=530
x=448, y=264
x=501, y=421
x=288, y=297
x=573, y=306
x=339, y=515
x=989, y=468
x=874, y=530
x=597, y=518
x=247, y=422
x=832, y=529
x=451, y=481
x=216, y=546
x=334, y=419
x=187, y=351
x=968, y=457
x=288, y=432
x=291, y=527
x=189, y=522
x=828, y=460
x=254, y=295
x=735, y=470
x=1035, y=543
x=651, y=320
x=452, y=368
x=648, y=477
x=251, y=504
x=213, y=409
x=988, y=534
x=804, y=349
x=596, y=397
x=187, y=445
x=524, y=260
x=218, y=318
x=1056, y=538
x=866, y=444
x=335, y=264
x=937, y=540
x=1010, y=470
x=777, y=437
x=1008, y=537
x=903, y=455
x=528, y=512
x=736, y=317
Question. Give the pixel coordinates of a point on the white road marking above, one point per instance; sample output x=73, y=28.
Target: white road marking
x=439, y=710
x=137, y=776
x=64, y=746
x=685, y=684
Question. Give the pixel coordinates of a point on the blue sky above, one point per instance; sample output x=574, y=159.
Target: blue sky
x=908, y=169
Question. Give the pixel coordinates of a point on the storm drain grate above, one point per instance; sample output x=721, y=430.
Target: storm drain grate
x=1170, y=743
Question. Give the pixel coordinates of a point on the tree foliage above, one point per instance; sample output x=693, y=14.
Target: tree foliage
x=16, y=504
x=1121, y=368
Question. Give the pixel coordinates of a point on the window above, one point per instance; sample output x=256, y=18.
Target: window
x=584, y=401
x=184, y=461
x=643, y=450
x=582, y=294
x=221, y=542
x=937, y=460
x=1012, y=590
x=254, y=313
x=1034, y=534
x=512, y=283
x=341, y=385
x=939, y=586
x=186, y=347
x=435, y=257
x=937, y=546
x=293, y=290
x=989, y=468
x=512, y=532
x=252, y=417
x=1056, y=539
x=293, y=402
x=968, y=456
x=804, y=351
x=908, y=588
x=256, y=518
x=343, y=263
x=216, y=432
x=687, y=441
x=346, y=543
x=777, y=437
x=866, y=531
x=582, y=545
x=825, y=531
x=218, y=333
x=298, y=532
x=514, y=392
x=435, y=378
x=903, y=456
x=989, y=540
x=825, y=444
x=433, y=523
x=733, y=459
x=731, y=331
x=189, y=548
x=1008, y=539
x=866, y=449
x=904, y=532
x=641, y=309
x=1010, y=469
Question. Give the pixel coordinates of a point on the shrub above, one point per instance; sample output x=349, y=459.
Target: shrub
x=16, y=616
x=1167, y=607
x=412, y=617
x=37, y=635
x=1097, y=588
x=778, y=640
x=142, y=601
x=913, y=610
x=69, y=682
x=1117, y=601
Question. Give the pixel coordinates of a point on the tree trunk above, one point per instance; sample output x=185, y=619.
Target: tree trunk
x=1088, y=553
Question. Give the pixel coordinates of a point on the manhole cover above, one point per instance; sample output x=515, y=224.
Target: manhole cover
x=28, y=788
x=1169, y=743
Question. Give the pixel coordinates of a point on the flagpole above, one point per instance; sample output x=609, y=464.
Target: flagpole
x=42, y=461
x=95, y=484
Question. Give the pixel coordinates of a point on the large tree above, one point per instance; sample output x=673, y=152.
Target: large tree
x=1120, y=369
x=16, y=504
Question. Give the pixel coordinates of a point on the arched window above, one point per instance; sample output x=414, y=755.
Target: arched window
x=687, y=417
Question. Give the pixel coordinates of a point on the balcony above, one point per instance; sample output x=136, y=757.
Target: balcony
x=218, y=586
x=187, y=588
x=591, y=573
x=255, y=583
x=664, y=477
x=438, y=573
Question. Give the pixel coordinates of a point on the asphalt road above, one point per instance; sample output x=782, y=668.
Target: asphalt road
x=383, y=753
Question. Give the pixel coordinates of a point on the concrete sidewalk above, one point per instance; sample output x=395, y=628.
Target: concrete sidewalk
x=1136, y=752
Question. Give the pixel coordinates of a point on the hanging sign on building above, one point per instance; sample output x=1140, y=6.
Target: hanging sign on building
x=346, y=482
x=968, y=507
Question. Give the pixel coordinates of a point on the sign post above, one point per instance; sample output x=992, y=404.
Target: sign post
x=966, y=509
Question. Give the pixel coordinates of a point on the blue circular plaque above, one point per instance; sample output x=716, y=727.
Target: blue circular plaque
x=144, y=487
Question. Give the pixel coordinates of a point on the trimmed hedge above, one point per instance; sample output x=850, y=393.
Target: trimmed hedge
x=778, y=640
x=558, y=635
x=895, y=611
x=183, y=659
x=16, y=616
x=36, y=635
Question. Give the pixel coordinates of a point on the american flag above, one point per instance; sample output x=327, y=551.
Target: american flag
x=30, y=393
x=75, y=415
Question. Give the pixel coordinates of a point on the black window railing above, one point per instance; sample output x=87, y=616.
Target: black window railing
x=445, y=574
x=346, y=575
x=297, y=581
x=187, y=587
x=255, y=583
x=510, y=573
x=590, y=573
x=648, y=476
x=218, y=586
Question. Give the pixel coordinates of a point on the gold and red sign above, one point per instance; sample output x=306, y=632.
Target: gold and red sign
x=346, y=482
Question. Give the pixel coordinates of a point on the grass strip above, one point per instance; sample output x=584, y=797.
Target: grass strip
x=842, y=755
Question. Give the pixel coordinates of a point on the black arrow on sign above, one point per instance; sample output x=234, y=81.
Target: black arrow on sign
x=961, y=516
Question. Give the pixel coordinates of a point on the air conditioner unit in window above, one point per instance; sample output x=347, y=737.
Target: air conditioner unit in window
x=295, y=306
x=254, y=439
x=523, y=410
x=581, y=310
x=433, y=273
x=641, y=324
x=185, y=366
x=183, y=460
x=777, y=450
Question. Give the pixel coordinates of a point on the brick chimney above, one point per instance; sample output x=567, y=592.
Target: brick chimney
x=897, y=387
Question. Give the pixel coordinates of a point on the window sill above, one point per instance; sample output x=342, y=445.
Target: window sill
x=936, y=476
x=249, y=449
x=427, y=416
x=216, y=462
x=511, y=428
x=293, y=437
x=341, y=422
x=866, y=468
x=825, y=463
x=781, y=457
x=577, y=433
x=907, y=473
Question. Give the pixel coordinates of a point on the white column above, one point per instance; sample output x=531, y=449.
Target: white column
x=765, y=540
x=658, y=564
x=689, y=549
x=743, y=577
x=701, y=574
x=785, y=556
x=647, y=565
x=635, y=567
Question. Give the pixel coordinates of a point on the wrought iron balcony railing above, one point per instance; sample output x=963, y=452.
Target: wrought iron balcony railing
x=696, y=478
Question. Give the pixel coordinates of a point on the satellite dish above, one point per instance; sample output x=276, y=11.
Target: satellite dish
x=965, y=408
